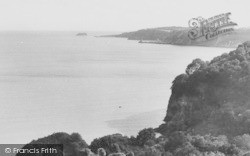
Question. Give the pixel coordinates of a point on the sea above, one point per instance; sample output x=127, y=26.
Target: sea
x=54, y=81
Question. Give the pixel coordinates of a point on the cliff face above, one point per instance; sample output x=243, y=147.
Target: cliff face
x=179, y=36
x=212, y=97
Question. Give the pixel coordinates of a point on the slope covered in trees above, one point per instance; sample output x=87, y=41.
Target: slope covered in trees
x=212, y=97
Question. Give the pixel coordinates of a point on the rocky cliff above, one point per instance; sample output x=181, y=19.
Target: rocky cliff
x=212, y=97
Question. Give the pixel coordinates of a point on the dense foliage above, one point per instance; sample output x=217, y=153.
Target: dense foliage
x=212, y=97
x=118, y=143
x=179, y=143
x=71, y=143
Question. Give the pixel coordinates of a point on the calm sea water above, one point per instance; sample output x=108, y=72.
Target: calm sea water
x=56, y=81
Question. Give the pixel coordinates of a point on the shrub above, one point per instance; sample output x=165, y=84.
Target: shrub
x=111, y=143
x=145, y=135
x=242, y=141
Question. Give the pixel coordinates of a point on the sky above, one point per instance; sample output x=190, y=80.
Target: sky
x=113, y=15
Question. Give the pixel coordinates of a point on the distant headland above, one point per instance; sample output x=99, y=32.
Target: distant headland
x=179, y=36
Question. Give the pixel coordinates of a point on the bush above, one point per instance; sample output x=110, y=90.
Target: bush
x=145, y=135
x=72, y=144
x=111, y=143
x=242, y=141
x=176, y=140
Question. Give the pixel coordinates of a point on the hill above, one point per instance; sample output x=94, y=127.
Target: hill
x=179, y=36
x=212, y=97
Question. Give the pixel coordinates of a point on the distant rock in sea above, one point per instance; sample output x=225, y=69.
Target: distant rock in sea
x=81, y=34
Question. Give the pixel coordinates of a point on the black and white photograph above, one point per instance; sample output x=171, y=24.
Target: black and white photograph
x=124, y=78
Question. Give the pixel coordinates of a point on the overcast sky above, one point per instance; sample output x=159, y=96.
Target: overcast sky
x=113, y=15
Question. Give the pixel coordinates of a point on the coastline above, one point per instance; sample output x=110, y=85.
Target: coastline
x=165, y=43
x=183, y=45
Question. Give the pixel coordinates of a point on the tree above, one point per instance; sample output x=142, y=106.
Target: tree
x=242, y=141
x=145, y=135
x=111, y=143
